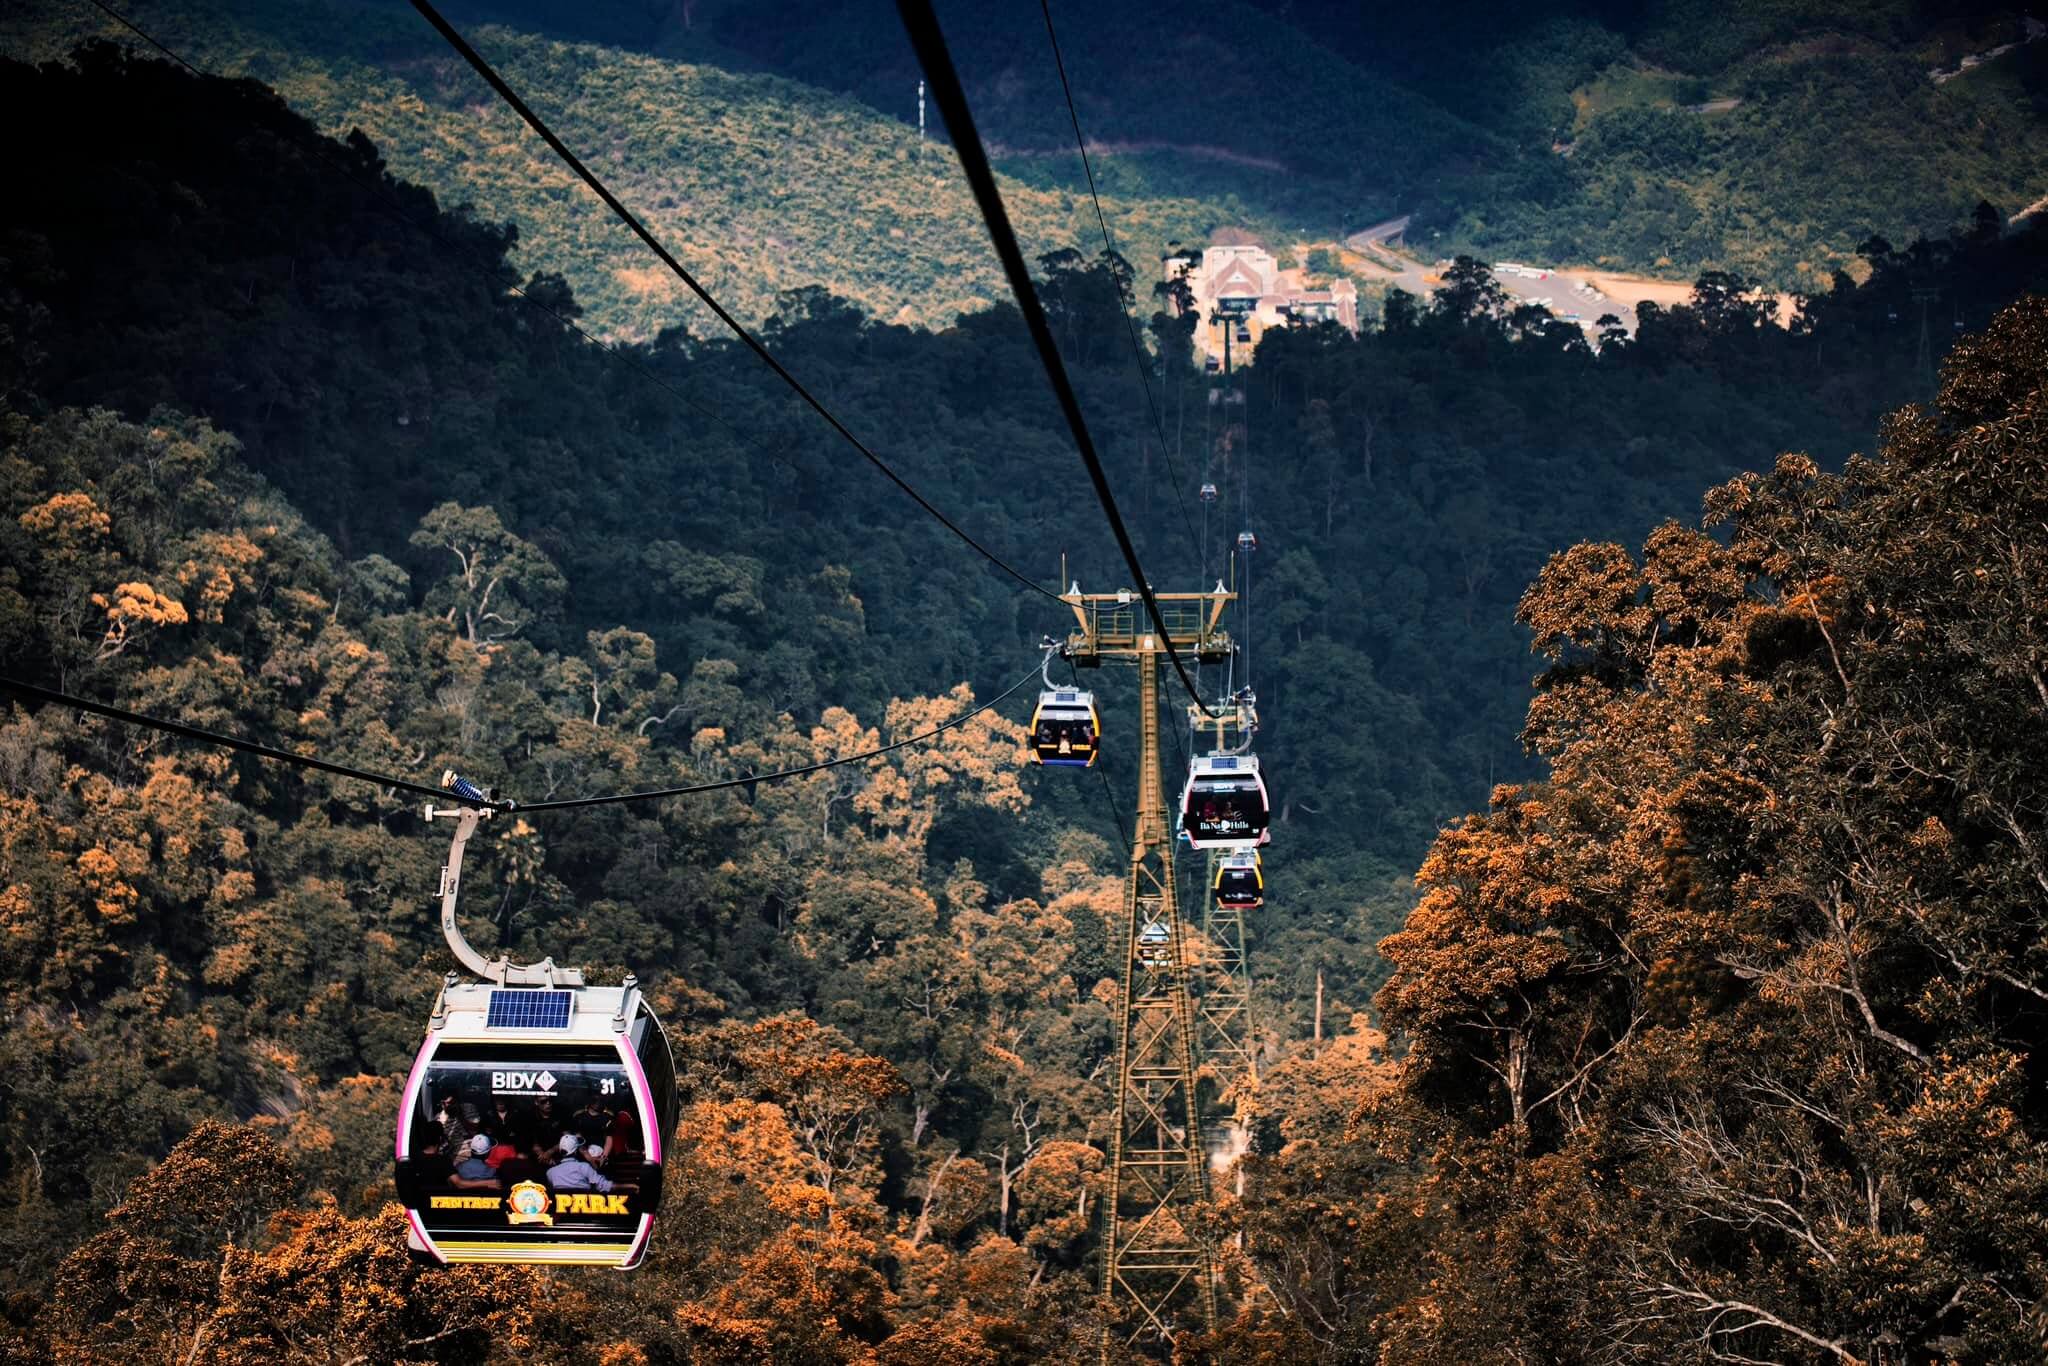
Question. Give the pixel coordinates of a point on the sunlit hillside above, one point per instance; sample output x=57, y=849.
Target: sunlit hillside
x=758, y=185
x=1768, y=138
x=1771, y=137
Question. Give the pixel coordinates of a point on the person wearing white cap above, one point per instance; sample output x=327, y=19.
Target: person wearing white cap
x=473, y=1173
x=578, y=1171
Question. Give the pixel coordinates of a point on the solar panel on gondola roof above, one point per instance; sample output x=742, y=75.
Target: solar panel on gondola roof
x=528, y=1010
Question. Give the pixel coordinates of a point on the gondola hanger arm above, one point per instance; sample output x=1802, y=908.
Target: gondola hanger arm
x=501, y=969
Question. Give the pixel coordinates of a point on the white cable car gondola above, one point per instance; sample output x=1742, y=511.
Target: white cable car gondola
x=1240, y=882
x=1153, y=946
x=1224, y=803
x=570, y=1087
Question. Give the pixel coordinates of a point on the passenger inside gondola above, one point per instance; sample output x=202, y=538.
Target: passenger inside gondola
x=525, y=1120
x=503, y=1150
x=506, y=1122
x=530, y=1163
x=578, y=1171
x=520, y=1140
x=549, y=1123
x=429, y=1165
x=474, y=1173
x=624, y=1138
x=456, y=1126
x=593, y=1123
x=1064, y=739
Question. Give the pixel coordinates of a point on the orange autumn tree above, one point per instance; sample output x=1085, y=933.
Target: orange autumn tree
x=1720, y=1044
x=207, y=1261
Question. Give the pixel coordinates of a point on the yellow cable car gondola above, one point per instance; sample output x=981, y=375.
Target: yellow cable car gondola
x=1240, y=882
x=1066, y=730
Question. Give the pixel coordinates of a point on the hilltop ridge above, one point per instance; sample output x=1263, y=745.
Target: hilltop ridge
x=773, y=146
x=760, y=185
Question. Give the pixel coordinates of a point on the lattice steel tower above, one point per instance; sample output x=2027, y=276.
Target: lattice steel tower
x=1159, y=1271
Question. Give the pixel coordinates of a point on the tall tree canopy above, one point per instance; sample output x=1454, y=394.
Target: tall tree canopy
x=1726, y=1041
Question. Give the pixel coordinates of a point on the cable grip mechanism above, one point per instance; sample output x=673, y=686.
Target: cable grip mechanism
x=501, y=969
x=1052, y=648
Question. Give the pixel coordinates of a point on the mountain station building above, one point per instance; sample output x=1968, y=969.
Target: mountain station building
x=1241, y=291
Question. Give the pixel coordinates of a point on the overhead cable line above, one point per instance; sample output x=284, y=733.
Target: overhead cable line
x=483, y=265
x=1244, y=510
x=236, y=742
x=284, y=756
x=923, y=27
x=626, y=216
x=1130, y=328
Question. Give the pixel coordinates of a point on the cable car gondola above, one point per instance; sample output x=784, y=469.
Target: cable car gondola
x=1153, y=947
x=566, y=1092
x=1240, y=882
x=1224, y=803
x=1065, y=730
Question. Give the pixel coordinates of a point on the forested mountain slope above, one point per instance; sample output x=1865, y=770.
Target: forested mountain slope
x=1772, y=140
x=1762, y=137
x=1726, y=1043
x=757, y=184
x=1405, y=483
x=1770, y=137
x=311, y=406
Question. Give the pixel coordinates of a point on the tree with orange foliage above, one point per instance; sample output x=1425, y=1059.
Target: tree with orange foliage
x=1720, y=1042
x=206, y=1262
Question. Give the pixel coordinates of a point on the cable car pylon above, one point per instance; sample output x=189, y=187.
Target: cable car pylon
x=1159, y=1269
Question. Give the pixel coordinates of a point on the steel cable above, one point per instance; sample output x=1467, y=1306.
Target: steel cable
x=626, y=216
x=925, y=36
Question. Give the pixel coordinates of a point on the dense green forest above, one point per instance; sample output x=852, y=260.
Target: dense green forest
x=269, y=408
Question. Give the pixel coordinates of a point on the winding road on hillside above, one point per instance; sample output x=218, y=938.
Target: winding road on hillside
x=2035, y=31
x=1196, y=150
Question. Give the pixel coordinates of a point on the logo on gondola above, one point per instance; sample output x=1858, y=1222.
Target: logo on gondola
x=528, y=1204
x=522, y=1081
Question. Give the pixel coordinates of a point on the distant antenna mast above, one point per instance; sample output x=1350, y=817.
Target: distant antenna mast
x=920, y=120
x=1923, y=362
